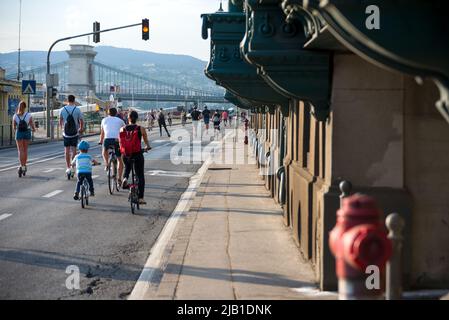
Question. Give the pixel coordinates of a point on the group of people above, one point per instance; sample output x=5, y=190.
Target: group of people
x=113, y=131
x=152, y=116
x=217, y=118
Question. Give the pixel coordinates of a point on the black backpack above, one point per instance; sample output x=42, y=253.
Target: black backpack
x=23, y=125
x=70, y=128
x=161, y=117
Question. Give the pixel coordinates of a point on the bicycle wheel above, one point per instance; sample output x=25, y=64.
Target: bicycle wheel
x=117, y=186
x=111, y=182
x=86, y=195
x=132, y=201
x=83, y=197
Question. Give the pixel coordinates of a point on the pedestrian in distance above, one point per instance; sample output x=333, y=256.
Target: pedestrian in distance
x=71, y=121
x=216, y=119
x=83, y=163
x=224, y=117
x=196, y=115
x=162, y=123
x=206, y=118
x=183, y=118
x=22, y=125
x=170, y=120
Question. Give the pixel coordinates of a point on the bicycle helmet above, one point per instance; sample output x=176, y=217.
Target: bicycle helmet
x=83, y=145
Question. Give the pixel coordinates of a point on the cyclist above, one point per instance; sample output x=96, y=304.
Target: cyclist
x=83, y=162
x=131, y=147
x=109, y=137
x=72, y=121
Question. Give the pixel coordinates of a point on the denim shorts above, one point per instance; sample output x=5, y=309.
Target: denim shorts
x=26, y=135
x=112, y=142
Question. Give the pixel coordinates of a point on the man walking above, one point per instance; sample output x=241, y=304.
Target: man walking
x=206, y=118
x=161, y=120
x=195, y=121
x=71, y=122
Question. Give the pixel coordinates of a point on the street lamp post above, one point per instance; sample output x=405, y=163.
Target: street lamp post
x=50, y=81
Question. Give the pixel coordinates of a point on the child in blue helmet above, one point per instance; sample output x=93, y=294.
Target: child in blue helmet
x=83, y=162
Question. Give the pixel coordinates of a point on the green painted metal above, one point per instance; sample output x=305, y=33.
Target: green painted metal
x=412, y=36
x=226, y=65
x=275, y=45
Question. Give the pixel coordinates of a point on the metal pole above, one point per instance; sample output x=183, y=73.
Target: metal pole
x=49, y=104
x=20, y=33
x=395, y=223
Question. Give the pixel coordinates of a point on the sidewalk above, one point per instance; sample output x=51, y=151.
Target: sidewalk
x=232, y=244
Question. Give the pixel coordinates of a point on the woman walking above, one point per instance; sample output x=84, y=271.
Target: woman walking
x=23, y=125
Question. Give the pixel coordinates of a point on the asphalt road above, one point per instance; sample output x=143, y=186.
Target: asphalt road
x=43, y=230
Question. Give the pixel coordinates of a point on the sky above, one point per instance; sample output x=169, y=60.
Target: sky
x=175, y=26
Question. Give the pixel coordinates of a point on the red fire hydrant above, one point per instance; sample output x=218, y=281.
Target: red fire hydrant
x=361, y=248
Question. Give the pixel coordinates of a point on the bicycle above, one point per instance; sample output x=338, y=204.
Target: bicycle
x=84, y=190
x=112, y=171
x=84, y=193
x=133, y=197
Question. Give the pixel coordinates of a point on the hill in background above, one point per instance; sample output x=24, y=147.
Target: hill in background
x=179, y=70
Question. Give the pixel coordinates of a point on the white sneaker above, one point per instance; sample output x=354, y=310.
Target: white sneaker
x=68, y=171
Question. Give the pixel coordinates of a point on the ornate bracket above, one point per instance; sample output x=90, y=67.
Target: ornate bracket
x=275, y=46
x=226, y=65
x=411, y=36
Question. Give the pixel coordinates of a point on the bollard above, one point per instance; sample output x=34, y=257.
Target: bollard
x=345, y=188
x=359, y=242
x=395, y=223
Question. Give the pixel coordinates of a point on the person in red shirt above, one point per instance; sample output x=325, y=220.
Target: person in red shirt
x=224, y=117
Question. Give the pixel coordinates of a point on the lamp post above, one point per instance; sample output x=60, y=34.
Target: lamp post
x=51, y=79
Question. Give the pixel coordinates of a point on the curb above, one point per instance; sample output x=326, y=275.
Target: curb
x=160, y=249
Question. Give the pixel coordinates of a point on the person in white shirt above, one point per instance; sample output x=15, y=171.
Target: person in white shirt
x=110, y=132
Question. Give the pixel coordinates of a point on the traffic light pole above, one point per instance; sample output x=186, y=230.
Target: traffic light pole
x=50, y=85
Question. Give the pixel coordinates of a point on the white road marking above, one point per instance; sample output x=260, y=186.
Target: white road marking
x=95, y=177
x=52, y=169
x=5, y=216
x=170, y=174
x=52, y=194
x=314, y=292
x=159, y=249
x=59, y=155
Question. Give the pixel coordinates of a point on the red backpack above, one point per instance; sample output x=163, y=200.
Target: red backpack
x=130, y=142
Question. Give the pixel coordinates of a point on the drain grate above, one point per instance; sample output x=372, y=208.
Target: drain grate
x=220, y=169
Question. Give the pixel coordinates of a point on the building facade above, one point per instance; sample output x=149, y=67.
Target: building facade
x=333, y=98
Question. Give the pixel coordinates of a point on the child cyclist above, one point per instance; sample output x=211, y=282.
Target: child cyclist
x=83, y=162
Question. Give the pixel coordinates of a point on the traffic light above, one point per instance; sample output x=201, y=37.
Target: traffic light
x=97, y=32
x=145, y=29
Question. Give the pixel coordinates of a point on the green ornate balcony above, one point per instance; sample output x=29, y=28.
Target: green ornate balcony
x=226, y=65
x=276, y=46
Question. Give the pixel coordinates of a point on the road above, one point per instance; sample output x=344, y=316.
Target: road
x=43, y=230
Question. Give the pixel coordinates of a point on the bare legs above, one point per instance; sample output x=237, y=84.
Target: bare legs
x=70, y=153
x=22, y=150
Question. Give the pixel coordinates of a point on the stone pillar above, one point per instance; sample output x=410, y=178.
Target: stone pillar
x=81, y=70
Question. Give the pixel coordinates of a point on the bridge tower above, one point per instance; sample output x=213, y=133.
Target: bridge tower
x=81, y=81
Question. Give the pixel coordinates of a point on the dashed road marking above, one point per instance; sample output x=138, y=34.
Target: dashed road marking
x=95, y=177
x=52, y=169
x=52, y=194
x=170, y=173
x=5, y=216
